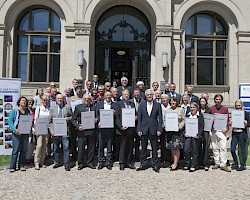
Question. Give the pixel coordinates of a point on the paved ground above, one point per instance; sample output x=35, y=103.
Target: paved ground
x=58, y=184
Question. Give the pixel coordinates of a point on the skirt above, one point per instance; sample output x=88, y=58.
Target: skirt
x=174, y=140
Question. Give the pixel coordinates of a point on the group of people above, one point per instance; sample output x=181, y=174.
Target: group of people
x=125, y=144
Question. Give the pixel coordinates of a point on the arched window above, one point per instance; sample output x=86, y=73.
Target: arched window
x=38, y=42
x=205, y=50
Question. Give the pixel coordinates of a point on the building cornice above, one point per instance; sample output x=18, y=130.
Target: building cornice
x=243, y=36
x=163, y=31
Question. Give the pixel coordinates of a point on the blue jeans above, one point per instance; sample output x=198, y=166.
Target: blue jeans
x=56, y=144
x=240, y=138
x=19, y=143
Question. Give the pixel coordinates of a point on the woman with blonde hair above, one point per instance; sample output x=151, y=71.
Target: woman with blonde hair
x=239, y=135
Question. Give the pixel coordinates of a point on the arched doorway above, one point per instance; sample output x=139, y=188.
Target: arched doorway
x=122, y=45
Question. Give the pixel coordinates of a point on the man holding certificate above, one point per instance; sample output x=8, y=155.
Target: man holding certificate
x=105, y=117
x=125, y=122
x=84, y=122
x=194, y=130
x=218, y=138
x=149, y=127
x=59, y=117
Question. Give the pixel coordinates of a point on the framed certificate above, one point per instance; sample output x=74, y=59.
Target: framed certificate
x=220, y=121
x=74, y=103
x=171, y=121
x=191, y=126
x=24, y=124
x=41, y=126
x=60, y=126
x=107, y=118
x=88, y=120
x=238, y=118
x=128, y=117
x=208, y=121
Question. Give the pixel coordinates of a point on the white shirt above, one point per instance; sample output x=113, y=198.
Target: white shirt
x=107, y=106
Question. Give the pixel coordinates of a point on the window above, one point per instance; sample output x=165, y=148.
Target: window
x=205, y=50
x=38, y=41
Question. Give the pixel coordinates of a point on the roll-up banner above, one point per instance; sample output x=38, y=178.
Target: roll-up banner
x=10, y=91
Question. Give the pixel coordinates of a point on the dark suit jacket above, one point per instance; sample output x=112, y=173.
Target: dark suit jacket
x=71, y=93
x=120, y=89
x=178, y=96
x=118, y=113
x=100, y=105
x=133, y=101
x=195, y=99
x=152, y=123
x=93, y=85
x=76, y=118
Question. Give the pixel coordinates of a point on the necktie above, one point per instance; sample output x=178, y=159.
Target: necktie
x=60, y=115
x=149, y=108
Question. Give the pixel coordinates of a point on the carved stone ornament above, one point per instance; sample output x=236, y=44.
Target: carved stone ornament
x=82, y=29
x=164, y=31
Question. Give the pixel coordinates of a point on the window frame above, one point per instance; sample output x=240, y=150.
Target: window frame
x=214, y=38
x=29, y=33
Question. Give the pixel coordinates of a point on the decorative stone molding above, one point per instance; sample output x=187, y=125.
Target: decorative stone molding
x=82, y=29
x=243, y=36
x=177, y=34
x=163, y=31
x=2, y=29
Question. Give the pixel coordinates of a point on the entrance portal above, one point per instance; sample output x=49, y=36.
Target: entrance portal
x=122, y=46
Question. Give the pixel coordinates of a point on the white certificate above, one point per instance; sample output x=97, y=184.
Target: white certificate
x=60, y=126
x=171, y=121
x=191, y=126
x=220, y=121
x=88, y=120
x=41, y=127
x=128, y=117
x=107, y=118
x=74, y=103
x=238, y=118
x=24, y=124
x=208, y=121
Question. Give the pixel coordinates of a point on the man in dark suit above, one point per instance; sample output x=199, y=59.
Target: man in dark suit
x=95, y=82
x=137, y=99
x=192, y=97
x=125, y=133
x=124, y=85
x=85, y=137
x=106, y=135
x=60, y=111
x=149, y=127
x=88, y=89
x=166, y=88
x=173, y=93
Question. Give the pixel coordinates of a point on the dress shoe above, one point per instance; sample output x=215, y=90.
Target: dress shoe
x=130, y=166
x=156, y=169
x=100, y=166
x=67, y=168
x=192, y=169
x=141, y=168
x=56, y=166
x=174, y=169
x=234, y=167
x=241, y=168
x=216, y=166
x=109, y=167
x=122, y=167
x=225, y=169
x=91, y=166
x=80, y=167
x=206, y=168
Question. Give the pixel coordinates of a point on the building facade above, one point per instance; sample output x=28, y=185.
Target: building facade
x=204, y=43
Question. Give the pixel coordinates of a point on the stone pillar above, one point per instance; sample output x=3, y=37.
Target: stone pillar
x=2, y=67
x=163, y=42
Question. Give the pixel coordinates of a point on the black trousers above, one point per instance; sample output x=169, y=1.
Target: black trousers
x=84, y=140
x=191, y=150
x=165, y=153
x=72, y=142
x=126, y=148
x=105, y=140
x=153, y=141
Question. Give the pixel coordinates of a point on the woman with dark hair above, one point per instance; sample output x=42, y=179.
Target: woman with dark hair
x=38, y=97
x=19, y=141
x=191, y=146
x=239, y=135
x=204, y=148
x=174, y=140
